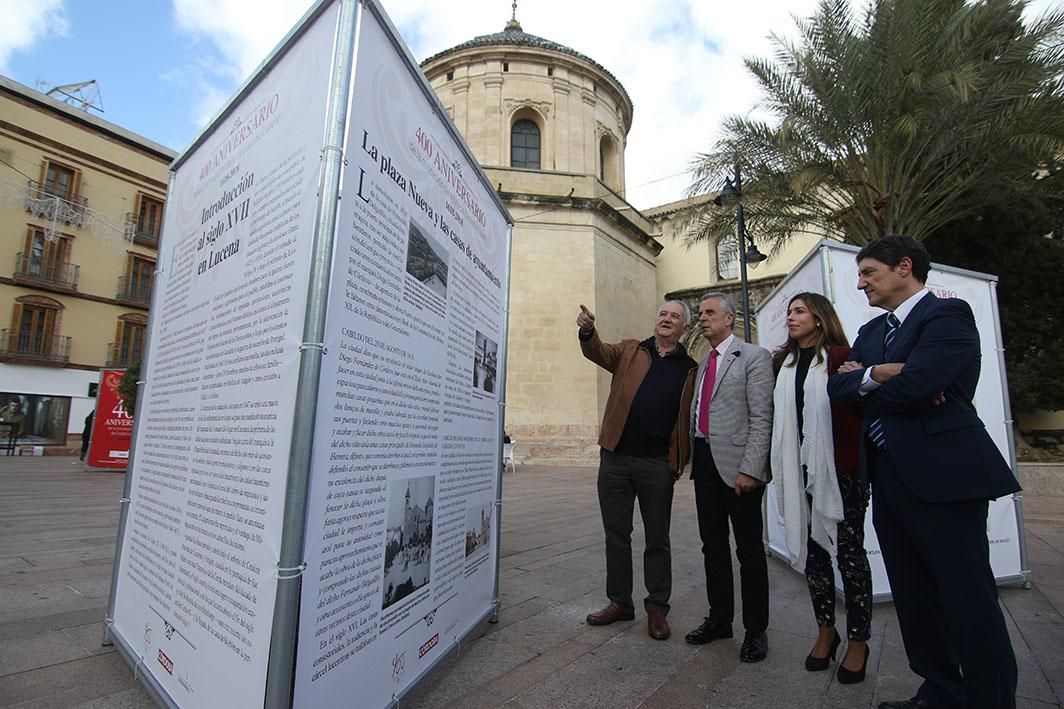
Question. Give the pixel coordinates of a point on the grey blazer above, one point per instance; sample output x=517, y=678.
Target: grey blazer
x=740, y=418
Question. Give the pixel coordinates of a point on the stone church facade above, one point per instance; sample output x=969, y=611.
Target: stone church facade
x=550, y=126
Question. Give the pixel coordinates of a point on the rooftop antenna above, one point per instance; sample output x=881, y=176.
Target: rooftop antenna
x=84, y=95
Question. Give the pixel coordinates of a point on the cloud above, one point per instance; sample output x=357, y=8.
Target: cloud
x=228, y=39
x=681, y=61
x=27, y=22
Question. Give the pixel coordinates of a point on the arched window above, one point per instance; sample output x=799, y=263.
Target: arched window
x=128, y=347
x=524, y=145
x=609, y=168
x=34, y=329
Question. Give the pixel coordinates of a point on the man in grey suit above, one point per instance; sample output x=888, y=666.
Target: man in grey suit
x=731, y=422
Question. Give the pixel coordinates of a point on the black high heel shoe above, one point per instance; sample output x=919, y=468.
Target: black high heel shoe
x=853, y=676
x=819, y=664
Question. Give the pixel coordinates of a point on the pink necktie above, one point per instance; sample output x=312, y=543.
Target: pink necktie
x=707, y=392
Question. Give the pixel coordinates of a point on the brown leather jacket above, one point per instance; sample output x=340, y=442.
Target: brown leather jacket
x=629, y=362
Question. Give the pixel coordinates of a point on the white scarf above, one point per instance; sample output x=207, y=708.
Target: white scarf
x=816, y=452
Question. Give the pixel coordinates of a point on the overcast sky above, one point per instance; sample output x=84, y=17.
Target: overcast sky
x=166, y=66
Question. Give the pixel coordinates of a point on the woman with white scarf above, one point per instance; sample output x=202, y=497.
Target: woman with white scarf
x=822, y=498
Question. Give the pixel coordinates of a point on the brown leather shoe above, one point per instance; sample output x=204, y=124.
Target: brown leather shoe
x=610, y=614
x=657, y=626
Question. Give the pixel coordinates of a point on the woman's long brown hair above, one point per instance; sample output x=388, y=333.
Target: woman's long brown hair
x=828, y=334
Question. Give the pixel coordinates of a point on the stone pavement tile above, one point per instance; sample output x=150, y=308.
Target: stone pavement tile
x=1047, y=542
x=556, y=625
x=135, y=698
x=536, y=670
x=590, y=682
x=24, y=626
x=465, y=671
x=68, y=683
x=74, y=575
x=46, y=560
x=52, y=647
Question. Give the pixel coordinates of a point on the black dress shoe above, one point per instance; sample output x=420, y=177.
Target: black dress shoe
x=818, y=664
x=711, y=629
x=854, y=676
x=755, y=646
x=914, y=703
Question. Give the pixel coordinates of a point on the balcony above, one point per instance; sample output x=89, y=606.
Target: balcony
x=142, y=234
x=134, y=291
x=121, y=355
x=47, y=273
x=54, y=208
x=28, y=347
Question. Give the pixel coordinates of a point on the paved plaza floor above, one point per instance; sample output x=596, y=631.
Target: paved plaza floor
x=57, y=533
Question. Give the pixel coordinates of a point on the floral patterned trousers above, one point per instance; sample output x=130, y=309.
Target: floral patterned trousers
x=853, y=565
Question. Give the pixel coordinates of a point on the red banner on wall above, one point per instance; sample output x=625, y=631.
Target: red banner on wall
x=112, y=426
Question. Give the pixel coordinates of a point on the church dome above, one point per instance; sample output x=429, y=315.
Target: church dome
x=526, y=102
x=514, y=36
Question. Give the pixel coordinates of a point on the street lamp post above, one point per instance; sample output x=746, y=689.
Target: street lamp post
x=733, y=193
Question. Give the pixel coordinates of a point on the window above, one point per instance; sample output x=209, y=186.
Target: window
x=45, y=259
x=149, y=220
x=727, y=257
x=550, y=71
x=450, y=76
x=36, y=326
x=506, y=66
x=524, y=145
x=59, y=181
x=137, y=282
x=129, y=340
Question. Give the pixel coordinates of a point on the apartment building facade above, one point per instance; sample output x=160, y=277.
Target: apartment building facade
x=81, y=207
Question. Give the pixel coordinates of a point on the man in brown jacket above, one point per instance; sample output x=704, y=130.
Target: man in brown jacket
x=645, y=444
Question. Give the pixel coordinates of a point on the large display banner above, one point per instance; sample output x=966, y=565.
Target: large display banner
x=198, y=573
x=401, y=535
x=392, y=417
x=831, y=270
x=112, y=426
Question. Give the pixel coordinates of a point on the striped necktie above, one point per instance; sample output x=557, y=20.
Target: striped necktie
x=875, y=429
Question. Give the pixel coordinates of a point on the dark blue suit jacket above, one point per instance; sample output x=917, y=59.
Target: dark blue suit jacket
x=942, y=452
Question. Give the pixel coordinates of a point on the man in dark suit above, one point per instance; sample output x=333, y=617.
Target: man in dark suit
x=731, y=425
x=933, y=469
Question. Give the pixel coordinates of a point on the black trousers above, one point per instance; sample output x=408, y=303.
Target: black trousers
x=621, y=480
x=717, y=504
x=938, y=562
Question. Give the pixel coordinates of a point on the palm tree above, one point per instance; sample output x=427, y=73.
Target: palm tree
x=921, y=113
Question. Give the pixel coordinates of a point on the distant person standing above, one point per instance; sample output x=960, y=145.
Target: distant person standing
x=934, y=469
x=645, y=445
x=86, y=434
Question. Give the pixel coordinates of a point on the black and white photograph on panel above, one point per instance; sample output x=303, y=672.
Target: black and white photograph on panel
x=485, y=363
x=426, y=260
x=477, y=528
x=408, y=543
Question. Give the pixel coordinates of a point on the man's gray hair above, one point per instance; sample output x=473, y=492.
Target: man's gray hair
x=727, y=300
x=686, y=310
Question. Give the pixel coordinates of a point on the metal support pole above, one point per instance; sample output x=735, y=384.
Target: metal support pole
x=741, y=228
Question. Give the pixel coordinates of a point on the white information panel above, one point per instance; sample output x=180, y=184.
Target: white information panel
x=198, y=571
x=400, y=535
x=831, y=270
